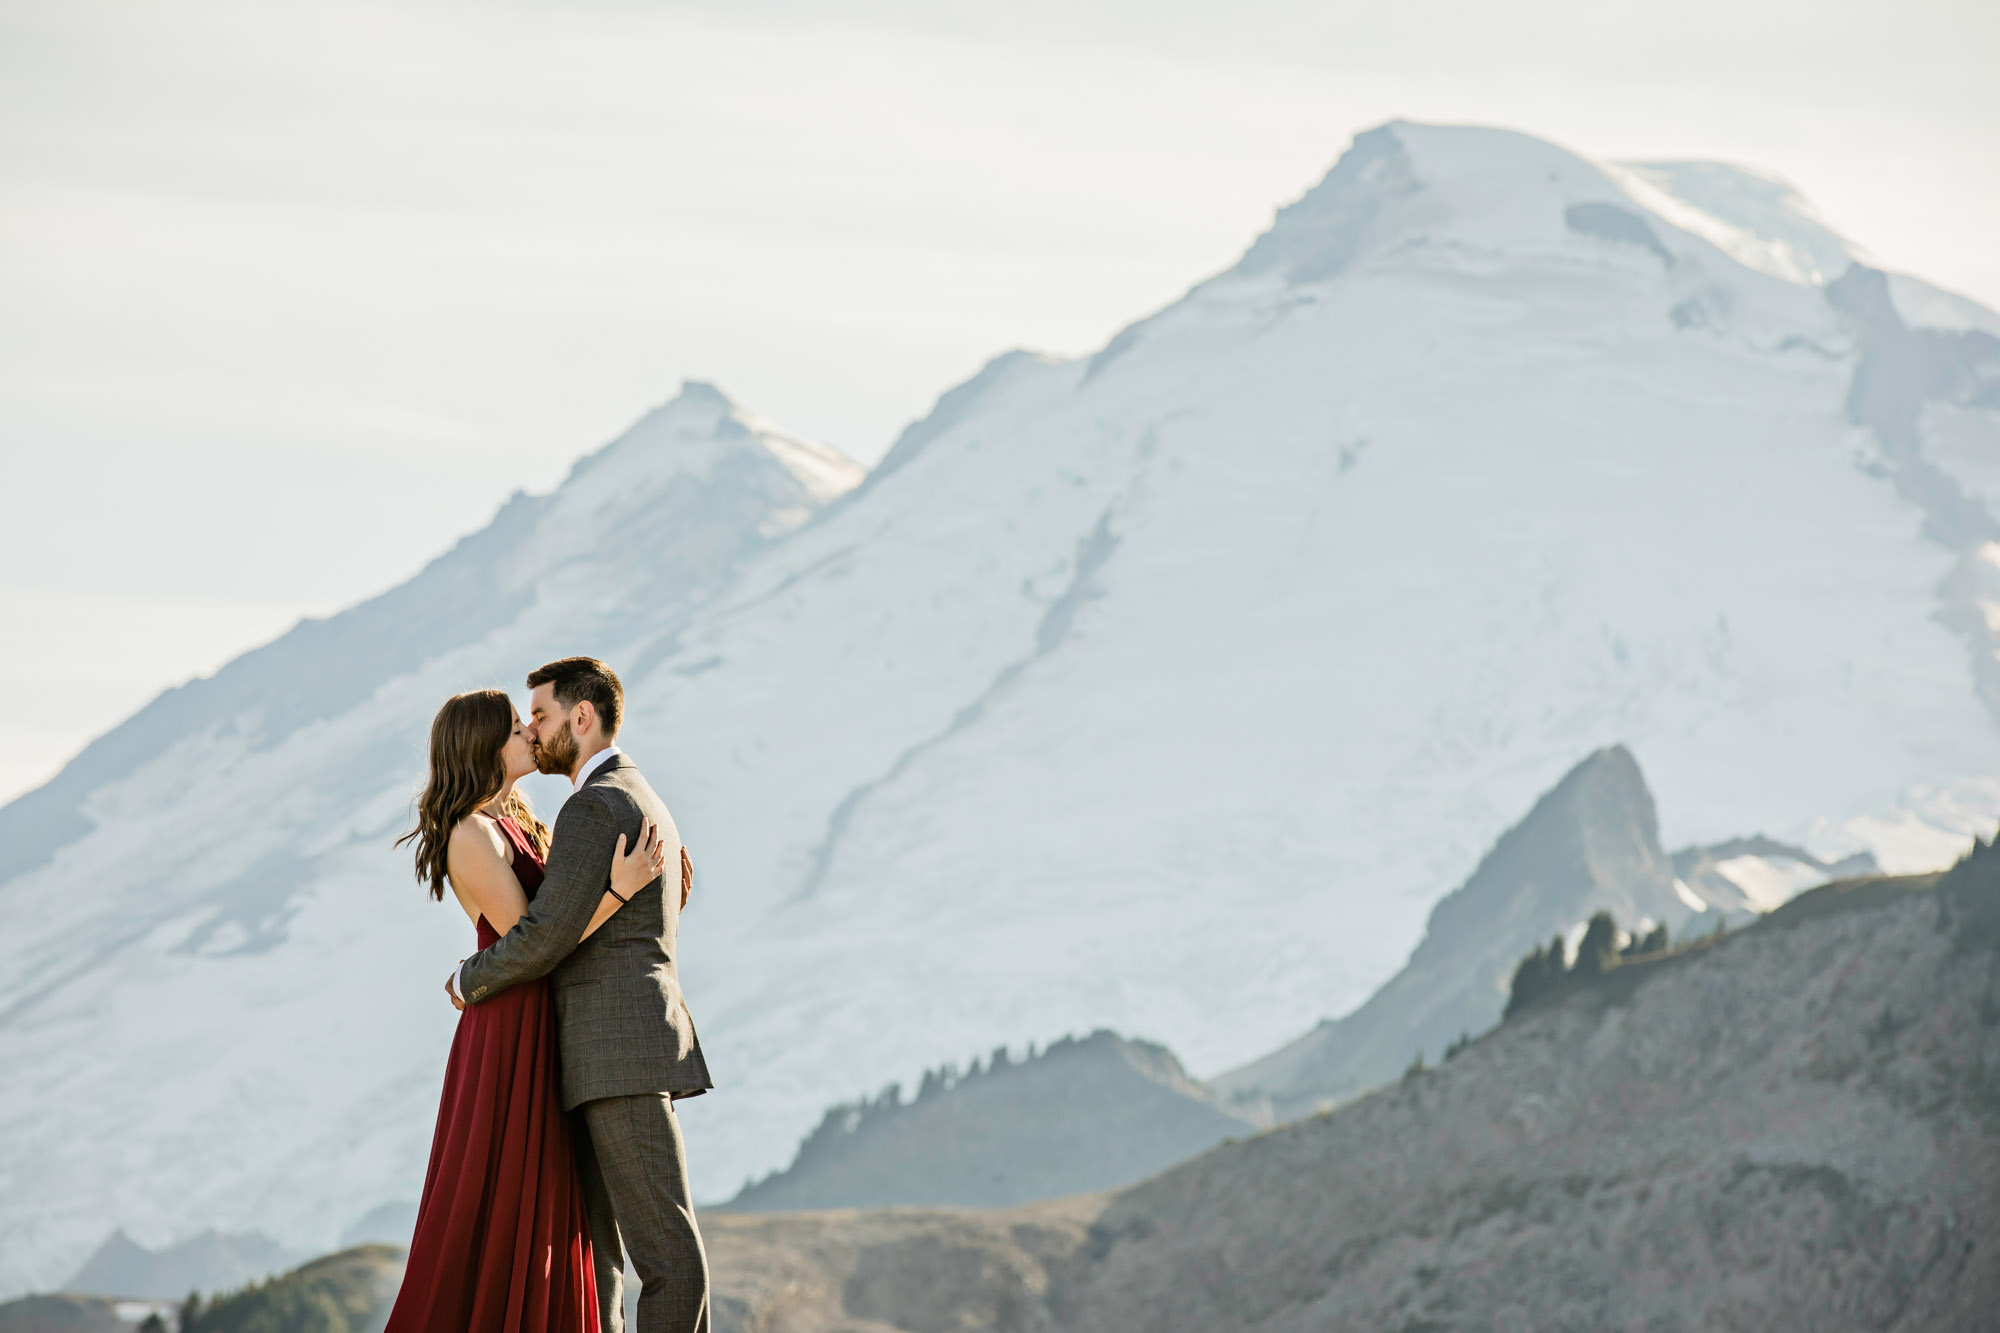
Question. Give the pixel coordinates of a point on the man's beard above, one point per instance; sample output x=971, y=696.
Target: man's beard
x=557, y=754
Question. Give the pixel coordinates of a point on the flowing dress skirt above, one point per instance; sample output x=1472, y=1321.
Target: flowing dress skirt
x=502, y=1244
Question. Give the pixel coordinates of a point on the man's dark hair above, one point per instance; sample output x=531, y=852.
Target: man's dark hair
x=580, y=678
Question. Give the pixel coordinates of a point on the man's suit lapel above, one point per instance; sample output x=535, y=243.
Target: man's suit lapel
x=605, y=769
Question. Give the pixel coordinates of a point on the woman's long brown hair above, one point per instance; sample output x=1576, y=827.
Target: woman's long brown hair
x=466, y=739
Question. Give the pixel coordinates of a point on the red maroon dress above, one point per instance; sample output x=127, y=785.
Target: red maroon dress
x=502, y=1242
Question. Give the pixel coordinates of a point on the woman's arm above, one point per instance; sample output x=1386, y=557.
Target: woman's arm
x=481, y=874
x=581, y=856
x=483, y=877
x=630, y=872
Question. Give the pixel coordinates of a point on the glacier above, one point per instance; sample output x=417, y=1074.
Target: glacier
x=1163, y=689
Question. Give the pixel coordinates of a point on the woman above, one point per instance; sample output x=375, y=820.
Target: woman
x=501, y=1245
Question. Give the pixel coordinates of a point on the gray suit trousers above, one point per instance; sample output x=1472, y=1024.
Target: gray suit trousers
x=635, y=1188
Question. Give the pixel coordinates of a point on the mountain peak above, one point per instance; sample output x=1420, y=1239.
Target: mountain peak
x=1405, y=184
x=1478, y=204
x=1591, y=842
x=703, y=392
x=1596, y=831
x=1436, y=189
x=693, y=433
x=699, y=413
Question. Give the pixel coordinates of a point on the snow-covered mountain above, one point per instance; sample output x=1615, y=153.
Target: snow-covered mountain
x=216, y=995
x=1161, y=690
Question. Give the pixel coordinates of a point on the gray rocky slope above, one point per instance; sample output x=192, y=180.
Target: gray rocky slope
x=1591, y=844
x=1084, y=1115
x=1795, y=1127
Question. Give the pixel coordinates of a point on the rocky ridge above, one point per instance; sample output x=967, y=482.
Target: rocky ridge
x=1590, y=844
x=1792, y=1127
x=1083, y=1115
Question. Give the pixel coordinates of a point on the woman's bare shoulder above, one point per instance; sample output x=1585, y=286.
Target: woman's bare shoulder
x=478, y=834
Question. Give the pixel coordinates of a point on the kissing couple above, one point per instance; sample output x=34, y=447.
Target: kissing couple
x=556, y=1135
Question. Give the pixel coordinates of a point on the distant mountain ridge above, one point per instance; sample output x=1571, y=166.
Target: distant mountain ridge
x=1084, y=1115
x=1161, y=691
x=207, y=1262
x=1746, y=876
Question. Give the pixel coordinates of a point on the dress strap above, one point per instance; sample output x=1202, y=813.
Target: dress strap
x=518, y=836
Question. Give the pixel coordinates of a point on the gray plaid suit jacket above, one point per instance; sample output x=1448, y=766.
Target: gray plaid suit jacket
x=623, y=1025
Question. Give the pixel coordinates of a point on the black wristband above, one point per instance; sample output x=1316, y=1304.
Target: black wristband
x=622, y=899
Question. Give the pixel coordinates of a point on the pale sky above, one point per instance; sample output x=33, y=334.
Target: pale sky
x=292, y=295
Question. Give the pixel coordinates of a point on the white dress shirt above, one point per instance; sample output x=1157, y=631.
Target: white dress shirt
x=591, y=765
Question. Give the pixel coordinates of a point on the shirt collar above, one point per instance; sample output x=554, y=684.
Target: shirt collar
x=592, y=764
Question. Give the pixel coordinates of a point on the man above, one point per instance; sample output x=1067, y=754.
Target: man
x=628, y=1045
